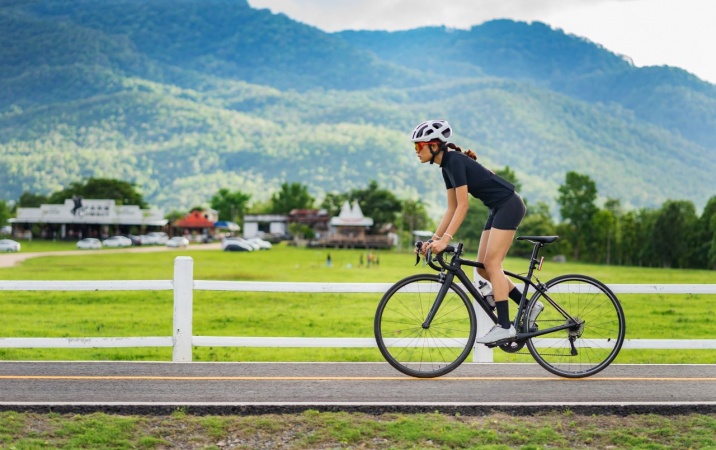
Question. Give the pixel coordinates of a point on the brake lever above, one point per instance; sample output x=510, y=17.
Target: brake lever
x=419, y=247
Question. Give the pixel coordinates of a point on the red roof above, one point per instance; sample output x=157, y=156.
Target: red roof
x=194, y=220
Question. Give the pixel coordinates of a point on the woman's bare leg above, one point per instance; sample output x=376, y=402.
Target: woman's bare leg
x=498, y=244
x=482, y=251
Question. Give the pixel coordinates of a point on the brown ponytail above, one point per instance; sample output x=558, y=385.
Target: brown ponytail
x=469, y=153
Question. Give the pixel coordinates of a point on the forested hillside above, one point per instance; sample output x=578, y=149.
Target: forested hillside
x=186, y=97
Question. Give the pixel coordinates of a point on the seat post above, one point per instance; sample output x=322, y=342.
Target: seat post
x=533, y=259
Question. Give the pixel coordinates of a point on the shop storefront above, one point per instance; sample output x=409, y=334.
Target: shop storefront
x=79, y=218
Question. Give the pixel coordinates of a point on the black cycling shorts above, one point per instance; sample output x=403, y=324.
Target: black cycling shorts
x=508, y=215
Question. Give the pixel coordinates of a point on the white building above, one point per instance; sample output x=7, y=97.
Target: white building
x=350, y=223
x=79, y=217
x=258, y=225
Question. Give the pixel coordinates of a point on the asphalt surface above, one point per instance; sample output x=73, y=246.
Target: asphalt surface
x=257, y=388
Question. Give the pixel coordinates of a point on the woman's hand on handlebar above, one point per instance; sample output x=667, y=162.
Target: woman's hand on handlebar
x=435, y=246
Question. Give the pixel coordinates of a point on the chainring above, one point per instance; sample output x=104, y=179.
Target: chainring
x=512, y=347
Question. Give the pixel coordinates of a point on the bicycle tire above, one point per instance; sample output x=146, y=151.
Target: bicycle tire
x=597, y=340
x=412, y=349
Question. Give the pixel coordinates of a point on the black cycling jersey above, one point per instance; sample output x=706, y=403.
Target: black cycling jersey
x=460, y=170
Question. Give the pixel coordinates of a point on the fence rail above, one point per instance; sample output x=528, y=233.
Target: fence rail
x=182, y=340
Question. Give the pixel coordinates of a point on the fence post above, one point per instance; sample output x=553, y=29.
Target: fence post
x=481, y=353
x=183, y=308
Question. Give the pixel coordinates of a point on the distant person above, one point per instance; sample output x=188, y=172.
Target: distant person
x=329, y=263
x=463, y=175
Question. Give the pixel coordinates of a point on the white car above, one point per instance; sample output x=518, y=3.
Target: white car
x=177, y=241
x=8, y=245
x=263, y=245
x=157, y=237
x=236, y=245
x=117, y=241
x=89, y=244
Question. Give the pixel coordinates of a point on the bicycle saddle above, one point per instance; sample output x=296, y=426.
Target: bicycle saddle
x=538, y=239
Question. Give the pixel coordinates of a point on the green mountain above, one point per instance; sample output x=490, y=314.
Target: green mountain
x=186, y=97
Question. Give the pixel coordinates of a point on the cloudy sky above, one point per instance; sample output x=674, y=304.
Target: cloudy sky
x=679, y=33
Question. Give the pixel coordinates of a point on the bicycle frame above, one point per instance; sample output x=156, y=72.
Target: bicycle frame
x=448, y=271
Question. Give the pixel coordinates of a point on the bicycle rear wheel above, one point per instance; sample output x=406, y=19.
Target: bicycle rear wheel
x=592, y=342
x=415, y=350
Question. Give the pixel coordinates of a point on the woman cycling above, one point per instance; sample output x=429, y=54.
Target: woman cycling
x=463, y=175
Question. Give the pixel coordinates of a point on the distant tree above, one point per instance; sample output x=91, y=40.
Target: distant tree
x=414, y=215
x=30, y=200
x=672, y=232
x=291, y=196
x=379, y=204
x=301, y=231
x=122, y=192
x=703, y=237
x=231, y=206
x=604, y=240
x=175, y=215
x=333, y=202
x=5, y=212
x=629, y=244
x=576, y=200
x=649, y=252
x=711, y=262
x=259, y=207
x=599, y=248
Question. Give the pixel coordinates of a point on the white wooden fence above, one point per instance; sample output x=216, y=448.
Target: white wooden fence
x=182, y=339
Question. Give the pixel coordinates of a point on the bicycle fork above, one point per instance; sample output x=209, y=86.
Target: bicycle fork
x=446, y=280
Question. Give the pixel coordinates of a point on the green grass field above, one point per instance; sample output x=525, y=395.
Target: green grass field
x=149, y=313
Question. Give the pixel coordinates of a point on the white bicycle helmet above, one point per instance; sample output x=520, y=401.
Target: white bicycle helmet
x=432, y=130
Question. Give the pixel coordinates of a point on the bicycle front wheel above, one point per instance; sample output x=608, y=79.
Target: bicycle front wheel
x=596, y=331
x=414, y=347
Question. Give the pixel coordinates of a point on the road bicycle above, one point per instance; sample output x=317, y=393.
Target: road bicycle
x=425, y=324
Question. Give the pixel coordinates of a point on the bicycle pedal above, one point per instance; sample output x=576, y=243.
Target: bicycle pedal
x=499, y=343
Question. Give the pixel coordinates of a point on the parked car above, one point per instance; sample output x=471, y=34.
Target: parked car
x=89, y=244
x=136, y=240
x=263, y=245
x=236, y=245
x=117, y=241
x=8, y=245
x=177, y=241
x=157, y=238
x=6, y=229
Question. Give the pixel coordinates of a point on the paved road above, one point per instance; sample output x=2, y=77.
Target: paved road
x=372, y=387
x=11, y=259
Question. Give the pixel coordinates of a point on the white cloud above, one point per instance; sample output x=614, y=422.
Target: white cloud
x=652, y=32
